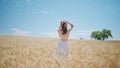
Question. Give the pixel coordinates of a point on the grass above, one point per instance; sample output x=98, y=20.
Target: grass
x=33, y=52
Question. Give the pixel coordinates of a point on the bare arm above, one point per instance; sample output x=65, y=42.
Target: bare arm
x=71, y=25
x=59, y=28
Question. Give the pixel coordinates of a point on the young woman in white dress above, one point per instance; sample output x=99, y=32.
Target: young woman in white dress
x=62, y=49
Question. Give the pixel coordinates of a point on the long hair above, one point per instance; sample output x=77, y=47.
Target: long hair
x=64, y=27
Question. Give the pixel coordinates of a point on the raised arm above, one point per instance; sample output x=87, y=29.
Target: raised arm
x=59, y=28
x=71, y=25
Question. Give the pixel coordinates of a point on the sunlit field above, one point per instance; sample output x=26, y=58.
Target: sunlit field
x=35, y=52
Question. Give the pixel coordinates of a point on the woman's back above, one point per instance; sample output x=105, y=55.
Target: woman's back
x=63, y=37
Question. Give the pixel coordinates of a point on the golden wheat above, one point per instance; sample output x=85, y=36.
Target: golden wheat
x=33, y=52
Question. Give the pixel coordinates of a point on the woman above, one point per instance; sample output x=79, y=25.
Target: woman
x=62, y=49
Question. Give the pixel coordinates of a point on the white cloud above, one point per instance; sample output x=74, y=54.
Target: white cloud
x=44, y=12
x=85, y=34
x=84, y=31
x=50, y=34
x=38, y=11
x=19, y=32
x=19, y=4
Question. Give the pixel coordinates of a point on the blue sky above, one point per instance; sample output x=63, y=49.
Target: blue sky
x=41, y=18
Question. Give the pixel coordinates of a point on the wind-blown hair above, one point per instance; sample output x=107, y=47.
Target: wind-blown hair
x=64, y=27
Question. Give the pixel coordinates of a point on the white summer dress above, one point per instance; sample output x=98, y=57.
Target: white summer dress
x=62, y=49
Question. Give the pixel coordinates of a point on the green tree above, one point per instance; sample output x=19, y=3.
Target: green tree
x=101, y=35
x=105, y=34
x=96, y=35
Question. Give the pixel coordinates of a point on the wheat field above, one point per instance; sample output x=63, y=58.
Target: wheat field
x=35, y=52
